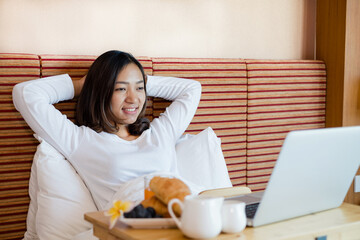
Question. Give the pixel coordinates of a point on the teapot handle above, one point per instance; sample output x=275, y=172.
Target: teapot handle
x=176, y=219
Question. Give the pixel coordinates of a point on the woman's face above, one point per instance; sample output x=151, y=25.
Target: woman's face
x=129, y=94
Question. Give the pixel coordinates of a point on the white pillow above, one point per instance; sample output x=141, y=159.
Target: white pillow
x=200, y=160
x=30, y=233
x=62, y=197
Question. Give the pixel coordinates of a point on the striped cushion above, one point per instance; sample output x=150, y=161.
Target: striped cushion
x=282, y=96
x=77, y=66
x=222, y=105
x=17, y=145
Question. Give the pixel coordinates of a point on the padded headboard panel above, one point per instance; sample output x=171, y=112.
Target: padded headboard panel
x=282, y=96
x=222, y=105
x=17, y=146
x=250, y=104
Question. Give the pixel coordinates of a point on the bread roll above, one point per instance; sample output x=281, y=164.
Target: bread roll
x=160, y=207
x=166, y=189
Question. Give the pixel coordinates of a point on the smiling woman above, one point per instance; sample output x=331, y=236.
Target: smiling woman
x=112, y=143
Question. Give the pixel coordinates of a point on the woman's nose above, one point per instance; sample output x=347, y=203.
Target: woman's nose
x=131, y=96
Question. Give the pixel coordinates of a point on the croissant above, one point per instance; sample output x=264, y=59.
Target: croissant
x=160, y=207
x=166, y=189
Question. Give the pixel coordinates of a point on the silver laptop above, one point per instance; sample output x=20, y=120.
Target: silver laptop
x=313, y=173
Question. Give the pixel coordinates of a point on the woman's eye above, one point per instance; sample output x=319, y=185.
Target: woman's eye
x=141, y=88
x=120, y=89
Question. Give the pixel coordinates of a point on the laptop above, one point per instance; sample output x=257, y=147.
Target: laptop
x=314, y=171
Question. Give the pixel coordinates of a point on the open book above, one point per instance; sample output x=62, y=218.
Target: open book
x=226, y=192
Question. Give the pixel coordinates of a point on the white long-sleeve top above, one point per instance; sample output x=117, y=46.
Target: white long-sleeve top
x=103, y=160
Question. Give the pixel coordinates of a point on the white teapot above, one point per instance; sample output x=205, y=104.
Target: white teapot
x=201, y=216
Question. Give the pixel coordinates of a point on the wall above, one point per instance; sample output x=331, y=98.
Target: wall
x=338, y=44
x=276, y=29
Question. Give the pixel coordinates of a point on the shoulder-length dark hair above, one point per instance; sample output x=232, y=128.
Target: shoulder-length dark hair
x=94, y=103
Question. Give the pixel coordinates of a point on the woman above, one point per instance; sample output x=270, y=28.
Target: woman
x=112, y=142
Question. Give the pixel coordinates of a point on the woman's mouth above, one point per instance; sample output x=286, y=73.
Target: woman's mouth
x=130, y=110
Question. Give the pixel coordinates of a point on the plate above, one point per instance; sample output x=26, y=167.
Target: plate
x=149, y=223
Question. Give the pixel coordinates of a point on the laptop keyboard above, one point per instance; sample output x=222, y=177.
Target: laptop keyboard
x=250, y=209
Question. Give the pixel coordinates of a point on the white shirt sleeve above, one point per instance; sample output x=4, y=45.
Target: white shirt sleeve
x=34, y=99
x=184, y=93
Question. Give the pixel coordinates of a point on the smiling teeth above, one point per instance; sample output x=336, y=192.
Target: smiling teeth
x=130, y=109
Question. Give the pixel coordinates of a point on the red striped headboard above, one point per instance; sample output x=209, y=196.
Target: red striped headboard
x=282, y=96
x=250, y=104
x=17, y=146
x=222, y=105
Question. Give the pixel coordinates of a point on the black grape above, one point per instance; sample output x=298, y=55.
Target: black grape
x=140, y=212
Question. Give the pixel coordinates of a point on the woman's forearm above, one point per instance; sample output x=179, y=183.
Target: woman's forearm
x=185, y=95
x=171, y=88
